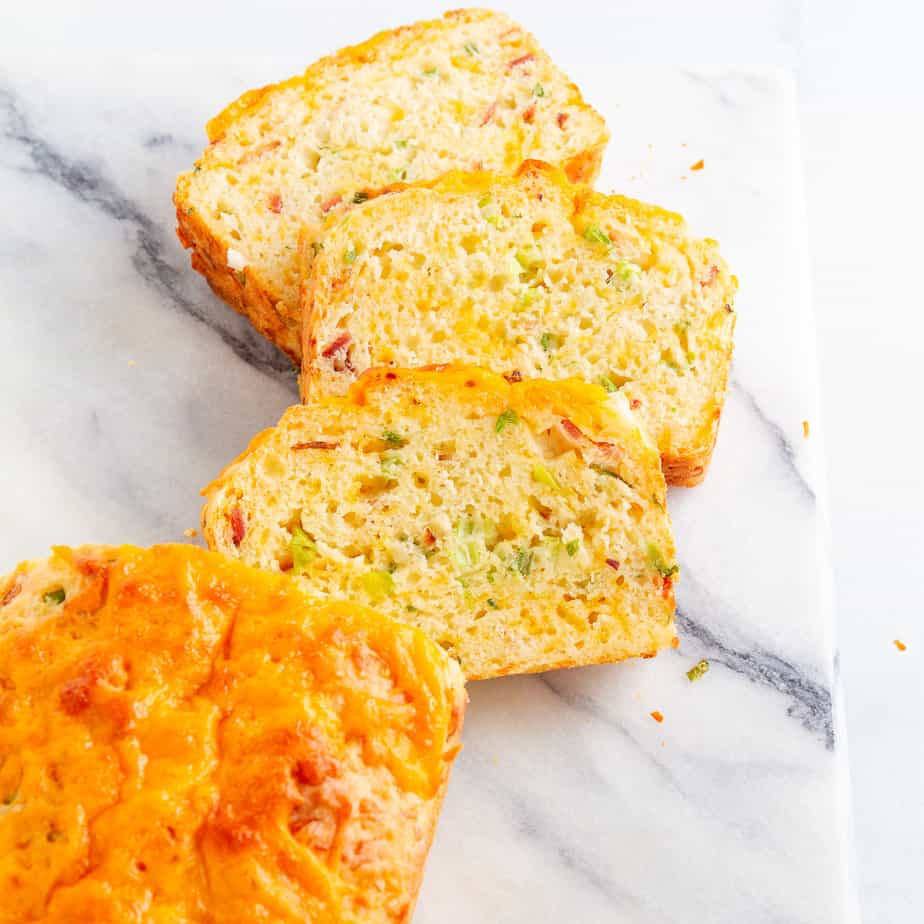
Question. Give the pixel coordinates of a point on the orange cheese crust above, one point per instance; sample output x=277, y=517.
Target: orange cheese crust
x=183, y=738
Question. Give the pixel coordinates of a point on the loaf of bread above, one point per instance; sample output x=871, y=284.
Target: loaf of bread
x=183, y=738
x=522, y=525
x=535, y=275
x=470, y=90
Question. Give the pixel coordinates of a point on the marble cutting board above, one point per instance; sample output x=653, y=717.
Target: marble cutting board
x=126, y=386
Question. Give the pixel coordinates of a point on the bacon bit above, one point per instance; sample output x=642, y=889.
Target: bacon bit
x=75, y=694
x=328, y=204
x=258, y=151
x=710, y=279
x=574, y=438
x=529, y=114
x=12, y=592
x=635, y=404
x=338, y=351
x=429, y=538
x=667, y=587
x=336, y=345
x=516, y=62
x=477, y=166
x=237, y=526
x=657, y=716
x=314, y=444
x=275, y=203
x=489, y=114
x=805, y=429
x=900, y=645
x=613, y=563
x=513, y=377
x=698, y=165
x=561, y=119
x=316, y=768
x=512, y=31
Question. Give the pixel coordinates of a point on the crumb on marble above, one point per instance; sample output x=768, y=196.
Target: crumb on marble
x=698, y=165
x=697, y=670
x=684, y=178
x=190, y=533
x=899, y=644
x=657, y=716
x=805, y=429
x=132, y=363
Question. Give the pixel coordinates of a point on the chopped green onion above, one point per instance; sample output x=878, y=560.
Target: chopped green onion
x=401, y=143
x=628, y=270
x=430, y=72
x=524, y=561
x=55, y=596
x=656, y=560
x=596, y=235
x=378, y=585
x=391, y=465
x=393, y=439
x=350, y=256
x=538, y=90
x=240, y=277
x=492, y=603
x=471, y=48
x=529, y=257
x=550, y=342
x=507, y=417
x=607, y=383
x=467, y=545
x=489, y=210
x=542, y=475
x=572, y=547
x=528, y=296
x=697, y=670
x=304, y=550
x=360, y=197
x=603, y=470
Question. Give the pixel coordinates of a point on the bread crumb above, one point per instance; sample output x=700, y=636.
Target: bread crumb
x=698, y=165
x=684, y=177
x=657, y=716
x=189, y=532
x=805, y=429
x=132, y=364
x=900, y=645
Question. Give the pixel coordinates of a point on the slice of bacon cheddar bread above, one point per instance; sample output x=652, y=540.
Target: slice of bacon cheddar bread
x=470, y=90
x=530, y=274
x=183, y=738
x=522, y=525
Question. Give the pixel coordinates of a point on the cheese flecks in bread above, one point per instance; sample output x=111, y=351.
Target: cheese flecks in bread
x=183, y=738
x=523, y=526
x=470, y=90
x=535, y=275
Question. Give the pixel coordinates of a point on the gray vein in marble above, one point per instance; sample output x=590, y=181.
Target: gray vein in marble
x=89, y=186
x=810, y=701
x=776, y=433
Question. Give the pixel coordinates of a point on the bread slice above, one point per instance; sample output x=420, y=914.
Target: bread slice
x=535, y=275
x=471, y=89
x=183, y=738
x=523, y=525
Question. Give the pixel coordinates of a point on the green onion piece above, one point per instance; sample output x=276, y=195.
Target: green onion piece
x=544, y=476
x=430, y=72
x=304, y=550
x=401, y=143
x=656, y=560
x=471, y=48
x=572, y=547
x=492, y=603
x=628, y=270
x=489, y=210
x=240, y=277
x=529, y=257
x=596, y=235
x=55, y=596
x=550, y=342
x=466, y=546
x=528, y=296
x=393, y=439
x=378, y=585
x=360, y=197
x=607, y=383
x=524, y=561
x=538, y=90
x=507, y=417
x=391, y=465
x=697, y=670
x=603, y=470
x=350, y=256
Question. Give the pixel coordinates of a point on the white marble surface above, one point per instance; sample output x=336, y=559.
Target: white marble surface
x=127, y=385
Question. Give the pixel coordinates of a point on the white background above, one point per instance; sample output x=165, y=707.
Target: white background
x=860, y=73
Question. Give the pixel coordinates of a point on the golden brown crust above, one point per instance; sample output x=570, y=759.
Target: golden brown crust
x=270, y=306
x=185, y=739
